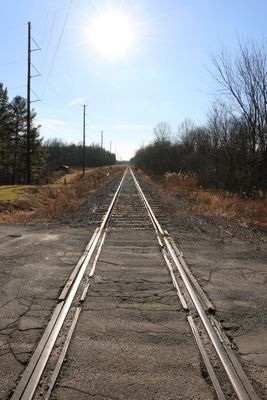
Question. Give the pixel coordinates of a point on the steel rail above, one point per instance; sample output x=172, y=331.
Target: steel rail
x=64, y=350
x=170, y=269
x=224, y=339
x=206, y=359
x=230, y=370
x=76, y=269
x=205, y=301
x=30, y=379
x=78, y=310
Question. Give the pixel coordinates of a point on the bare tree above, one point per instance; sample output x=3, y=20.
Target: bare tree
x=184, y=128
x=243, y=79
x=162, y=132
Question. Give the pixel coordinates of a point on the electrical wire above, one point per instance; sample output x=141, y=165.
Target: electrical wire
x=58, y=44
x=49, y=41
x=44, y=31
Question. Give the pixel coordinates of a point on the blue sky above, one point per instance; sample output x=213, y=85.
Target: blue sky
x=163, y=75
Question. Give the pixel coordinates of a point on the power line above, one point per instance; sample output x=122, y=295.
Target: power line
x=49, y=40
x=36, y=95
x=36, y=70
x=58, y=44
x=44, y=31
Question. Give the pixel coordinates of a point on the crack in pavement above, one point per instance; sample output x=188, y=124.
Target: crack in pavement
x=24, y=302
x=88, y=393
x=141, y=332
x=7, y=302
x=208, y=280
x=116, y=307
x=23, y=363
x=109, y=262
x=30, y=329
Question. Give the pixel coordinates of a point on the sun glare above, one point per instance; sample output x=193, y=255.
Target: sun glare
x=111, y=34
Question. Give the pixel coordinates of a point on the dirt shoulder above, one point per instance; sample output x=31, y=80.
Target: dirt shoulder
x=24, y=204
x=240, y=208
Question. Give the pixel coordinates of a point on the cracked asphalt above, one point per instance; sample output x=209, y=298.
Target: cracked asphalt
x=35, y=263
x=132, y=340
x=233, y=273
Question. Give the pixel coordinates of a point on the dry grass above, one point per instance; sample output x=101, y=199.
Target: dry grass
x=245, y=212
x=214, y=203
x=41, y=203
x=69, y=177
x=173, y=182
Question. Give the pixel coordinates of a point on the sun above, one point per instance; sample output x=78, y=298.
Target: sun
x=111, y=33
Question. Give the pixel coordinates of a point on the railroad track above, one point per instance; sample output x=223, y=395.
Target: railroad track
x=129, y=208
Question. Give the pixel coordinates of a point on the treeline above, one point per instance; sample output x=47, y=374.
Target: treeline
x=44, y=157
x=60, y=153
x=219, y=154
x=13, y=141
x=230, y=150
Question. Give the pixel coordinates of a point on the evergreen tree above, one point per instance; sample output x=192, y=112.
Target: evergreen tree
x=19, y=119
x=5, y=134
x=13, y=141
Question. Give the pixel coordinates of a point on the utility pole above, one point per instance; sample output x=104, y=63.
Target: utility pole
x=101, y=139
x=110, y=146
x=29, y=108
x=84, y=106
x=28, y=127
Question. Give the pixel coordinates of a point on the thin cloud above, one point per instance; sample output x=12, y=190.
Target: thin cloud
x=51, y=126
x=77, y=101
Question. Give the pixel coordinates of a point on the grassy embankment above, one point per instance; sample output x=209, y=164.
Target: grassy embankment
x=245, y=211
x=41, y=203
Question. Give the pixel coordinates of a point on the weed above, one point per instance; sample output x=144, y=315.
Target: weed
x=243, y=210
x=47, y=201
